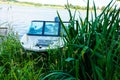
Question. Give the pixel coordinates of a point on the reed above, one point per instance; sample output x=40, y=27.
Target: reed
x=92, y=47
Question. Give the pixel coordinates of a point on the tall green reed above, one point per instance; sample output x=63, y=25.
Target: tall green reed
x=92, y=47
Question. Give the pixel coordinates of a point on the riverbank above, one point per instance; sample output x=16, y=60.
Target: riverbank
x=31, y=4
x=47, y=5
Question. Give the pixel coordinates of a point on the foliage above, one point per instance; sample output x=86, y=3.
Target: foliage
x=18, y=64
x=92, y=50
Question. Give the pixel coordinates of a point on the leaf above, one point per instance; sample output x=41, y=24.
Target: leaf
x=1, y=69
x=69, y=59
x=83, y=52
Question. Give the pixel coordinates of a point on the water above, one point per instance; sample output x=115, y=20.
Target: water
x=20, y=17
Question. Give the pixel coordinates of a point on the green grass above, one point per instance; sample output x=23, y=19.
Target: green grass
x=91, y=51
x=18, y=64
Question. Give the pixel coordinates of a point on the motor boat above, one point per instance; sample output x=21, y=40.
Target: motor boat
x=44, y=35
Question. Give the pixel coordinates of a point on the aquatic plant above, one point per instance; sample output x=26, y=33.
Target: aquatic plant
x=92, y=50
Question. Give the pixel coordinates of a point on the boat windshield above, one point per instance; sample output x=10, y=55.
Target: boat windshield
x=63, y=32
x=36, y=28
x=49, y=28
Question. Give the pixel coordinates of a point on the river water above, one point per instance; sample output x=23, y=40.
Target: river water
x=20, y=17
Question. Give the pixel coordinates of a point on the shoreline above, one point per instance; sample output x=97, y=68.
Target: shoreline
x=32, y=4
x=45, y=5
